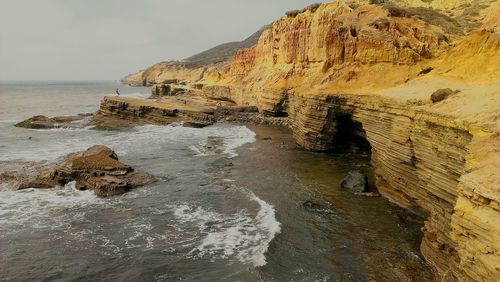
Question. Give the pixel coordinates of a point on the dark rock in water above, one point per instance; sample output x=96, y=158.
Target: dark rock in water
x=43, y=122
x=311, y=205
x=267, y=138
x=317, y=208
x=355, y=181
x=97, y=169
x=441, y=95
x=36, y=122
x=197, y=124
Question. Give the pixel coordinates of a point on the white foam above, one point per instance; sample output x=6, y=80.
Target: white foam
x=54, y=143
x=38, y=208
x=240, y=235
x=232, y=138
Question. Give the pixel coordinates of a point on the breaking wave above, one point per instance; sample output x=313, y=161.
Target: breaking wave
x=54, y=143
x=238, y=235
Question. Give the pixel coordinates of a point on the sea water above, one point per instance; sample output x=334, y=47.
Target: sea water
x=230, y=212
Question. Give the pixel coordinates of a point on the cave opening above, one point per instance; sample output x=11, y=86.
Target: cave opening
x=350, y=137
x=350, y=144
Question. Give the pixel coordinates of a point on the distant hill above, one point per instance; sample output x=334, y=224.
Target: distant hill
x=191, y=68
x=222, y=52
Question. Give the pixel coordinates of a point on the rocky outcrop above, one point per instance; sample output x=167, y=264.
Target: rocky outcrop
x=97, y=169
x=43, y=122
x=193, y=111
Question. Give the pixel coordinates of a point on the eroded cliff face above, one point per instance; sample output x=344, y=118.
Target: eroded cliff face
x=335, y=48
x=377, y=66
x=422, y=161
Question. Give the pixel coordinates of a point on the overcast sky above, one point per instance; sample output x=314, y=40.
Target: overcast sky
x=107, y=39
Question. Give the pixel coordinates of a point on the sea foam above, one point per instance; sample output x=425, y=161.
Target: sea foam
x=54, y=143
x=237, y=235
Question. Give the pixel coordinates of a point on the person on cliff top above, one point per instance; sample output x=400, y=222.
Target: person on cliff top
x=117, y=92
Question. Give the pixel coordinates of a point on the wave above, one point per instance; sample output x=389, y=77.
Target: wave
x=240, y=235
x=198, y=231
x=54, y=143
x=224, y=141
x=38, y=208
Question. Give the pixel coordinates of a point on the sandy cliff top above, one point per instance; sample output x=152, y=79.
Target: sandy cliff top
x=399, y=49
x=404, y=52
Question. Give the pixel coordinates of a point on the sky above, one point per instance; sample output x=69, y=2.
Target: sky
x=108, y=39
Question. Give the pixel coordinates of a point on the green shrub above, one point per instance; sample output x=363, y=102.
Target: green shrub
x=312, y=8
x=292, y=13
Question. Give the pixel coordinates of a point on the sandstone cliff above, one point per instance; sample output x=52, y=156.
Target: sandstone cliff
x=376, y=66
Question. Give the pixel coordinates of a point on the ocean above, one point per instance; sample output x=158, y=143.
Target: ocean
x=256, y=208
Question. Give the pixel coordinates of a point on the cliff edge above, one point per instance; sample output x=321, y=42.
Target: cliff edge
x=419, y=81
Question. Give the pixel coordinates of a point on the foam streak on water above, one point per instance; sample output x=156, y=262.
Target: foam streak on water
x=51, y=144
x=240, y=235
x=244, y=236
x=36, y=208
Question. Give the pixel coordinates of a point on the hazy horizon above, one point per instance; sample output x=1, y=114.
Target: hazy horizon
x=95, y=40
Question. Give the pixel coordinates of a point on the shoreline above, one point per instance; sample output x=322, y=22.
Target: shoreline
x=399, y=132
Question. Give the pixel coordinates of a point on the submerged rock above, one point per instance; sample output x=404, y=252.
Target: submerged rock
x=43, y=122
x=317, y=208
x=355, y=181
x=97, y=169
x=197, y=124
x=311, y=205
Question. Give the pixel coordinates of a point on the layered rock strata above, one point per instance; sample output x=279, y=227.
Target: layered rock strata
x=418, y=157
x=193, y=111
x=377, y=67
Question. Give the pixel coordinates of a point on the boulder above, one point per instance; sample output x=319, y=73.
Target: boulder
x=355, y=181
x=97, y=169
x=441, y=94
